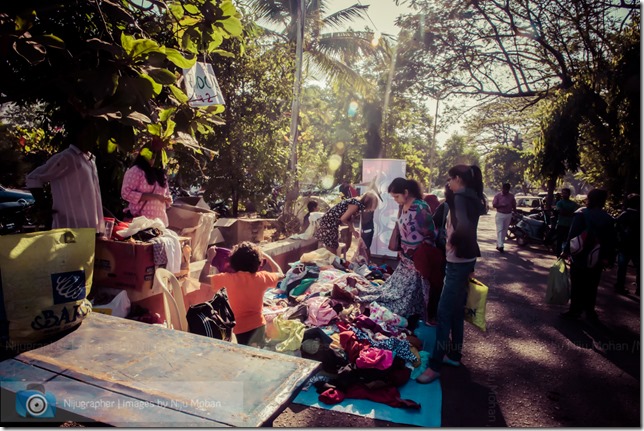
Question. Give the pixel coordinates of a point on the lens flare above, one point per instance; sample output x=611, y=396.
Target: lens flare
x=353, y=109
x=376, y=39
x=327, y=181
x=334, y=162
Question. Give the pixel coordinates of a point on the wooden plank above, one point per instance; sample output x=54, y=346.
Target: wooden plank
x=81, y=402
x=232, y=384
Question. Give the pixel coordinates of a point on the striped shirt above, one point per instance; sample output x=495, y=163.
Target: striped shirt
x=75, y=191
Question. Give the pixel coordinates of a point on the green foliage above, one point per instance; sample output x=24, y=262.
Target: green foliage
x=456, y=152
x=248, y=154
x=109, y=65
x=505, y=164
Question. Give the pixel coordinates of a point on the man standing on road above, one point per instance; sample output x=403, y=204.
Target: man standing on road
x=566, y=209
x=504, y=203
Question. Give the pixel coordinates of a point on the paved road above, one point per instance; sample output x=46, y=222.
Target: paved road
x=531, y=368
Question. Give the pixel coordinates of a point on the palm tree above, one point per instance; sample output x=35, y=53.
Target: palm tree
x=326, y=50
x=316, y=51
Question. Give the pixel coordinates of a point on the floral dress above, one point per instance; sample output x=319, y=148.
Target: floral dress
x=406, y=292
x=327, y=230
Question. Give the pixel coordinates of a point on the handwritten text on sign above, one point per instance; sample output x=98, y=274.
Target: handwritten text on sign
x=201, y=86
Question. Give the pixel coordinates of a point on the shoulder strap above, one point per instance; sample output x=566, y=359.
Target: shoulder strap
x=445, y=211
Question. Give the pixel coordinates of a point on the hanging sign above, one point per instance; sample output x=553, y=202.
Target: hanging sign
x=201, y=86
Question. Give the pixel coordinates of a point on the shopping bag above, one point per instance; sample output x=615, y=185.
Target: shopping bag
x=558, y=291
x=475, y=304
x=45, y=278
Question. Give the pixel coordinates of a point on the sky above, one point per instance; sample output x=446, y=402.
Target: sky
x=383, y=13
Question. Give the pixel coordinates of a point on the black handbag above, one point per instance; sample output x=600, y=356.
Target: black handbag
x=214, y=318
x=394, y=240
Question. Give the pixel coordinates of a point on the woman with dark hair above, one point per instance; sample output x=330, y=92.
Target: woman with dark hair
x=461, y=251
x=342, y=213
x=406, y=291
x=145, y=186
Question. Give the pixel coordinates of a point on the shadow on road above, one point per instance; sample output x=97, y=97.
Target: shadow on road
x=467, y=403
x=621, y=346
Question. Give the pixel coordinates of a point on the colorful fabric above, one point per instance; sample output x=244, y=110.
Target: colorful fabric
x=416, y=225
x=289, y=332
x=406, y=292
x=375, y=358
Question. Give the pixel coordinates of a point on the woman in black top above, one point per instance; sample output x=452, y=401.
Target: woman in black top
x=461, y=252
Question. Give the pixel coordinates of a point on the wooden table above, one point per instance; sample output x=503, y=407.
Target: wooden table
x=130, y=374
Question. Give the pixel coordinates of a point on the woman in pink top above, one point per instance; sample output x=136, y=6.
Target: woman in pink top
x=145, y=187
x=245, y=288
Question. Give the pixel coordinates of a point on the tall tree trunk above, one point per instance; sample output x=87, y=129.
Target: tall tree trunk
x=297, y=86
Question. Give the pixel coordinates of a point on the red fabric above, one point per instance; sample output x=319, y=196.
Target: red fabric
x=432, y=201
x=352, y=345
x=332, y=396
x=430, y=261
x=388, y=395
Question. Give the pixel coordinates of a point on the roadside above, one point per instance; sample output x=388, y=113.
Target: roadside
x=531, y=368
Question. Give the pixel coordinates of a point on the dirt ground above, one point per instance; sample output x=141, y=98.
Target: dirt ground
x=531, y=368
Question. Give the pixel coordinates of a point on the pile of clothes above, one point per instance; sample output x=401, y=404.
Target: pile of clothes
x=326, y=309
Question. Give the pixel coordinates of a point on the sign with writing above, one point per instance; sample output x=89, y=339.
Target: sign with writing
x=201, y=86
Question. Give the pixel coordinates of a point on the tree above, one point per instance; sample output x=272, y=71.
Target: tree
x=456, y=152
x=249, y=151
x=111, y=66
x=506, y=164
x=552, y=51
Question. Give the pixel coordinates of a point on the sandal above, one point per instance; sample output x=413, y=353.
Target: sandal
x=428, y=376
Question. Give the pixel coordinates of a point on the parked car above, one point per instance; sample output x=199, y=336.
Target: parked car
x=14, y=195
x=15, y=206
x=528, y=203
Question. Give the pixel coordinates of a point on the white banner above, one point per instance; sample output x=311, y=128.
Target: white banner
x=201, y=86
x=384, y=171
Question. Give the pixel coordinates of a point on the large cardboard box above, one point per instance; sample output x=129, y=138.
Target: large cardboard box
x=194, y=222
x=124, y=265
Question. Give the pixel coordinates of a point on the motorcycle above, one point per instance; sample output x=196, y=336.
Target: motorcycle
x=16, y=217
x=534, y=228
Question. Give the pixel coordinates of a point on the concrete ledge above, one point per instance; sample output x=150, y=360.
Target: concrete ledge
x=288, y=250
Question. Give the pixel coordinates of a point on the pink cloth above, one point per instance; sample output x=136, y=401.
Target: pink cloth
x=372, y=357
x=75, y=191
x=134, y=185
x=320, y=312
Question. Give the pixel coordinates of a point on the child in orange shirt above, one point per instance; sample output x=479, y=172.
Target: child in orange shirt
x=245, y=288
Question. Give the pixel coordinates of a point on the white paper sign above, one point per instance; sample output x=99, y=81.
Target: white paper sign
x=383, y=171
x=201, y=86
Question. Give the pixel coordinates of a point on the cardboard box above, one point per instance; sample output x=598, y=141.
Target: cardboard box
x=194, y=222
x=182, y=216
x=239, y=230
x=123, y=265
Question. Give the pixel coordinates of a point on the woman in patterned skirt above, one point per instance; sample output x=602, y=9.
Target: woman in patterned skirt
x=406, y=292
x=342, y=213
